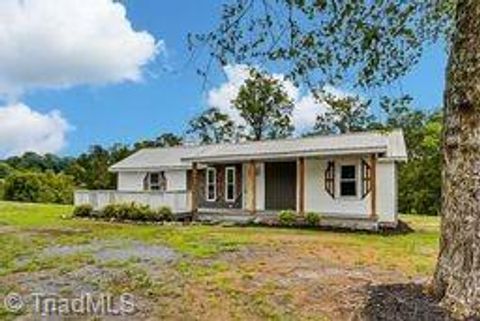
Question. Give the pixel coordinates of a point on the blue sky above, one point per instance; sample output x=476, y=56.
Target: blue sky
x=125, y=111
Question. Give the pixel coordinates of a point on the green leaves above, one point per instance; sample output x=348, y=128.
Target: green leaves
x=212, y=127
x=343, y=115
x=368, y=43
x=265, y=107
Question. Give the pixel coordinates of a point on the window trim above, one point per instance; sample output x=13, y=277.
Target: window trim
x=233, y=183
x=207, y=184
x=348, y=180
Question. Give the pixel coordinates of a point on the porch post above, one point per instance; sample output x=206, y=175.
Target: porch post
x=301, y=187
x=251, y=187
x=194, y=200
x=373, y=162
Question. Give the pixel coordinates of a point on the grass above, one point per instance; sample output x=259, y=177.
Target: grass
x=233, y=287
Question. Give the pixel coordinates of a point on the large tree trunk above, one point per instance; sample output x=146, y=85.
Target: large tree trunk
x=457, y=277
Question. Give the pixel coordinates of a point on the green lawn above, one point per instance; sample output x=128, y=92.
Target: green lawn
x=220, y=272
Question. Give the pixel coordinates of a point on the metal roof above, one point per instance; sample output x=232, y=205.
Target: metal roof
x=390, y=144
x=152, y=159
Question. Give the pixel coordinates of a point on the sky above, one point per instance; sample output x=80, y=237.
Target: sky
x=82, y=72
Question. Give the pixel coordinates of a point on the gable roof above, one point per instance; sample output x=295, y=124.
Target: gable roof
x=390, y=144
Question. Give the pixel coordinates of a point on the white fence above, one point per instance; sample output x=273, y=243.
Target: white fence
x=179, y=202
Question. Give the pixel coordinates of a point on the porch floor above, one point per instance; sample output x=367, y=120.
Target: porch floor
x=244, y=217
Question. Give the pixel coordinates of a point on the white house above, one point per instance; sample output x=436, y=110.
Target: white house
x=348, y=179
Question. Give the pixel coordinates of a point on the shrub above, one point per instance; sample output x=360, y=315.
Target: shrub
x=108, y=212
x=83, y=211
x=165, y=213
x=39, y=188
x=287, y=218
x=136, y=212
x=133, y=212
x=312, y=218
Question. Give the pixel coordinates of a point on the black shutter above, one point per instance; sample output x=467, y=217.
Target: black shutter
x=366, y=178
x=145, y=182
x=330, y=179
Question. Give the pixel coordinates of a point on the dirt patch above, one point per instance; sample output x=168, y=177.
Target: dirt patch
x=137, y=251
x=84, y=280
x=305, y=284
x=54, y=232
x=116, y=251
x=5, y=229
x=89, y=280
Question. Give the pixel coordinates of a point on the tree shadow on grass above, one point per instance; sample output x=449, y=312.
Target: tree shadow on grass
x=400, y=302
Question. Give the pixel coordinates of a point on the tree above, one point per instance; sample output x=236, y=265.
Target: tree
x=374, y=43
x=212, y=127
x=265, y=107
x=419, y=180
x=39, y=188
x=31, y=161
x=164, y=140
x=457, y=277
x=168, y=140
x=5, y=170
x=343, y=115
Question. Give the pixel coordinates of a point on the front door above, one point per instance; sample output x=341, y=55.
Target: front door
x=280, y=185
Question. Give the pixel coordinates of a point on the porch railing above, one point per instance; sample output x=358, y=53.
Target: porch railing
x=178, y=201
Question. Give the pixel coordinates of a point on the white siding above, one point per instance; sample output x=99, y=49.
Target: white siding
x=387, y=191
x=179, y=202
x=133, y=181
x=318, y=200
x=130, y=181
x=176, y=180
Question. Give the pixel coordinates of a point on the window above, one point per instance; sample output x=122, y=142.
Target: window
x=211, y=184
x=230, y=184
x=348, y=181
x=157, y=181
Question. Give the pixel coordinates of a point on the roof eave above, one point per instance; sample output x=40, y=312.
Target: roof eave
x=330, y=152
x=148, y=168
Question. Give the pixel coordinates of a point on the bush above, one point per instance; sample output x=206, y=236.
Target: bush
x=287, y=218
x=39, y=188
x=135, y=212
x=165, y=213
x=108, y=212
x=83, y=211
x=126, y=211
x=312, y=219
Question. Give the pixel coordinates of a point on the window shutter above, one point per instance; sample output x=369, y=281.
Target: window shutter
x=145, y=182
x=366, y=178
x=330, y=179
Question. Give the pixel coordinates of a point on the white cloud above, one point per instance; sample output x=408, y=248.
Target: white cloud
x=23, y=129
x=221, y=97
x=306, y=107
x=63, y=43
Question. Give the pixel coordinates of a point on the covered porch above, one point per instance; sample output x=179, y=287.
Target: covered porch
x=266, y=186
